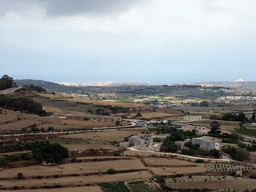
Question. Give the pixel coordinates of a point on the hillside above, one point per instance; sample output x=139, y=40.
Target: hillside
x=49, y=86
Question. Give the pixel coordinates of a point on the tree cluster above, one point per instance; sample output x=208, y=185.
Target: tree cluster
x=22, y=104
x=236, y=153
x=37, y=88
x=175, y=135
x=51, y=153
x=6, y=82
x=193, y=149
x=234, y=117
x=204, y=104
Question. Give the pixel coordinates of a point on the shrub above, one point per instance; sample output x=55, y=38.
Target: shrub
x=20, y=175
x=73, y=160
x=50, y=129
x=199, y=161
x=111, y=171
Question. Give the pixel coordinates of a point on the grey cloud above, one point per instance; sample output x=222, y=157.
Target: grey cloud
x=72, y=7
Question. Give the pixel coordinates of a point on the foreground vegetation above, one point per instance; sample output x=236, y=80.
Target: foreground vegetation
x=22, y=104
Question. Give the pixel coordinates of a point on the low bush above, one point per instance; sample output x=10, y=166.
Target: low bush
x=112, y=171
x=20, y=175
x=199, y=161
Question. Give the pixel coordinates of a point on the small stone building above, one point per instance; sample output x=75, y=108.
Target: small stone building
x=145, y=142
x=207, y=142
x=192, y=117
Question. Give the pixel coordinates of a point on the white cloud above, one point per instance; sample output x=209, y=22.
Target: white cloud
x=158, y=23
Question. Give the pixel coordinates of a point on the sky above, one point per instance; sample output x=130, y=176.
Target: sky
x=149, y=41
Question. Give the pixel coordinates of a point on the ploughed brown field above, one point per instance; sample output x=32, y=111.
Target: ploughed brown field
x=239, y=184
x=81, y=147
x=94, y=179
x=105, y=136
x=11, y=120
x=77, y=189
x=94, y=171
x=73, y=168
x=168, y=162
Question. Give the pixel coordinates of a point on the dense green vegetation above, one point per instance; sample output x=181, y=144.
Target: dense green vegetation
x=19, y=146
x=215, y=128
x=192, y=152
x=41, y=151
x=51, y=153
x=13, y=158
x=193, y=149
x=236, y=153
x=22, y=104
x=6, y=82
x=117, y=187
x=234, y=117
x=37, y=88
x=246, y=131
x=175, y=135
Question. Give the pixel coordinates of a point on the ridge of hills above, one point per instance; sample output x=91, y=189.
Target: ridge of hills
x=41, y=83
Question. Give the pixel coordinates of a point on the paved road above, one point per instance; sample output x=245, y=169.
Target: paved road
x=134, y=123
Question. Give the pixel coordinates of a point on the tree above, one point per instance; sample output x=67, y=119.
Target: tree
x=50, y=128
x=138, y=114
x=215, y=128
x=20, y=175
x=241, y=117
x=6, y=82
x=253, y=116
x=204, y=104
x=51, y=153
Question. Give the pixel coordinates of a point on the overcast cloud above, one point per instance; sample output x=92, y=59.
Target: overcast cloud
x=165, y=37
x=70, y=7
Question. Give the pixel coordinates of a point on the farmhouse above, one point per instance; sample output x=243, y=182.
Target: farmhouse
x=94, y=117
x=192, y=118
x=207, y=142
x=145, y=142
x=199, y=129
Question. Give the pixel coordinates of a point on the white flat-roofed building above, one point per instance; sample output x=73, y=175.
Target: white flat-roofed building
x=207, y=142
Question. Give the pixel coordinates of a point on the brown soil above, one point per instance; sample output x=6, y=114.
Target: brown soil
x=76, y=189
x=67, y=181
x=72, y=168
x=178, y=170
x=82, y=147
x=239, y=184
x=168, y=162
x=104, y=136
